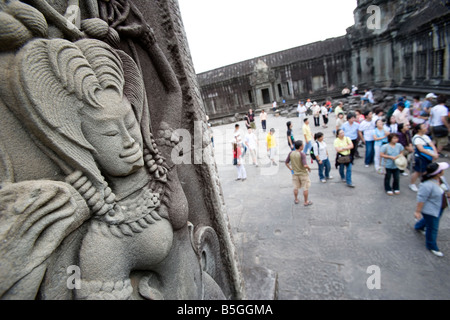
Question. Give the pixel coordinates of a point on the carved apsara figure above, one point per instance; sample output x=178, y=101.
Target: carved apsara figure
x=83, y=105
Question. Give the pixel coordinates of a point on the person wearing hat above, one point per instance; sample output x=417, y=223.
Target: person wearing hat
x=401, y=114
x=431, y=202
x=425, y=108
x=427, y=104
x=394, y=107
x=391, y=152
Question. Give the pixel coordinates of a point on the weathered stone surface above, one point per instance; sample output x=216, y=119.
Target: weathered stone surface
x=93, y=204
x=261, y=283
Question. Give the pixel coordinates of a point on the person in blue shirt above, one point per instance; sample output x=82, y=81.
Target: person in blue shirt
x=367, y=98
x=351, y=130
x=431, y=202
x=390, y=152
x=407, y=103
x=365, y=132
x=380, y=135
x=427, y=104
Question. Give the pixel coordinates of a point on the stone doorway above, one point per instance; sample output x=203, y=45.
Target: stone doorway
x=266, y=96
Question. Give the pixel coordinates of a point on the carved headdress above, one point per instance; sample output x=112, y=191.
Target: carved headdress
x=54, y=82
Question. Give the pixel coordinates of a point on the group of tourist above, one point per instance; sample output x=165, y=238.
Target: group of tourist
x=314, y=109
x=414, y=133
x=388, y=142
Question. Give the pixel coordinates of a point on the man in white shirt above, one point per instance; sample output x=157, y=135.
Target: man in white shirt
x=324, y=113
x=366, y=131
x=439, y=124
x=301, y=109
x=368, y=97
x=316, y=114
x=308, y=104
x=401, y=114
x=238, y=139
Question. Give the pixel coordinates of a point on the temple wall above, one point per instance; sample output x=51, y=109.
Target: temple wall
x=407, y=52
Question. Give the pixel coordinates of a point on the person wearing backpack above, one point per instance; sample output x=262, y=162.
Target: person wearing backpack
x=319, y=153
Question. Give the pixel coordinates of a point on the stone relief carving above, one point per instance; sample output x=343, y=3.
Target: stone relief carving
x=262, y=74
x=101, y=192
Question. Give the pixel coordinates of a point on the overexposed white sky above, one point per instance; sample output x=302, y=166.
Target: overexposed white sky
x=223, y=32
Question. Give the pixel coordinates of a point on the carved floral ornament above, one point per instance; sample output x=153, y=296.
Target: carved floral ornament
x=120, y=207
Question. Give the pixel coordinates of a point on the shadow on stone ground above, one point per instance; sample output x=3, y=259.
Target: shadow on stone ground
x=324, y=251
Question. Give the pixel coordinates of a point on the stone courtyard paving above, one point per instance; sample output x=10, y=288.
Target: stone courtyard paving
x=324, y=251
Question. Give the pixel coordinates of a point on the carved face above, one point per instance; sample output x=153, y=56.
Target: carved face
x=114, y=133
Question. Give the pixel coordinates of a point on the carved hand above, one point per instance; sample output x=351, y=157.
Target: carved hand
x=35, y=217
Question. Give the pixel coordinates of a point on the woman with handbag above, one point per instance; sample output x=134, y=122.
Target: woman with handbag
x=431, y=202
x=391, y=152
x=344, y=160
x=425, y=152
